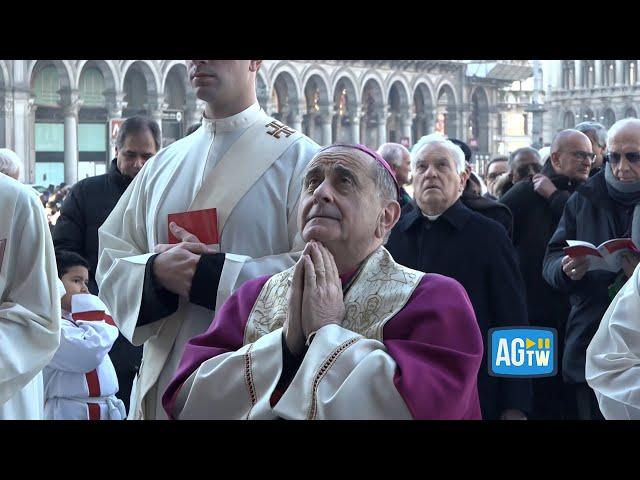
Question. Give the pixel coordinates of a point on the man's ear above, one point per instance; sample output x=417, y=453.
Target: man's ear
x=555, y=160
x=464, y=176
x=254, y=65
x=388, y=218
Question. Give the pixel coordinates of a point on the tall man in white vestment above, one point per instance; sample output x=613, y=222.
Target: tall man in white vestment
x=29, y=301
x=246, y=165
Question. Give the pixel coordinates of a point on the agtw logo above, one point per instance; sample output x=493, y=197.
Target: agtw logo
x=523, y=352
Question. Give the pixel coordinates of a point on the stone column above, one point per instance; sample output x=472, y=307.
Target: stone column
x=620, y=72
x=156, y=107
x=6, y=111
x=354, y=125
x=382, y=116
x=577, y=65
x=71, y=103
x=406, y=122
x=115, y=105
x=311, y=124
x=297, y=122
x=23, y=131
x=598, y=77
x=326, y=129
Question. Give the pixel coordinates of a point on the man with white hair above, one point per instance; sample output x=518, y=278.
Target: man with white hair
x=439, y=234
x=398, y=157
x=345, y=334
x=10, y=163
x=603, y=208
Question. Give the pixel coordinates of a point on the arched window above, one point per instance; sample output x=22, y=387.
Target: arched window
x=46, y=85
x=92, y=88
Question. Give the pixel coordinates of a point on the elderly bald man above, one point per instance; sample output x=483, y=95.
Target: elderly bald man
x=601, y=209
x=10, y=163
x=537, y=206
x=345, y=334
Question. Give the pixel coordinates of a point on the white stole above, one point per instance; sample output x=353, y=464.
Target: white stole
x=246, y=161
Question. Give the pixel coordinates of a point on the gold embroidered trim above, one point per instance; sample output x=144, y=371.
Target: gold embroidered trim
x=322, y=371
x=248, y=379
x=380, y=290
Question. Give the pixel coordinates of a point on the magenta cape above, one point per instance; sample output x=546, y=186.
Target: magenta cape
x=434, y=340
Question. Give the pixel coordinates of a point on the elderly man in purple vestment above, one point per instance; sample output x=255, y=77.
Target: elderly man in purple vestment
x=347, y=333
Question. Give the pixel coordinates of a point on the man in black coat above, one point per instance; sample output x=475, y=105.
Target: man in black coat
x=472, y=195
x=537, y=206
x=602, y=209
x=438, y=234
x=87, y=207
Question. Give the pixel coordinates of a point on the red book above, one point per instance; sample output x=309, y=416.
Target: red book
x=202, y=223
x=607, y=256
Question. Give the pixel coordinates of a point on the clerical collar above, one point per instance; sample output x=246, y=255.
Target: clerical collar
x=456, y=215
x=431, y=217
x=234, y=122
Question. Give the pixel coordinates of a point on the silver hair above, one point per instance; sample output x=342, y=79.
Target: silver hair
x=596, y=128
x=393, y=153
x=438, y=139
x=616, y=127
x=10, y=163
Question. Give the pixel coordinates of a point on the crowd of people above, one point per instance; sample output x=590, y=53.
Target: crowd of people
x=329, y=291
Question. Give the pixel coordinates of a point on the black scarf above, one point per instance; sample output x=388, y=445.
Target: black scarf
x=627, y=194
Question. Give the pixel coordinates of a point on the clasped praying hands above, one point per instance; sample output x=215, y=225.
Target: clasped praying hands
x=315, y=296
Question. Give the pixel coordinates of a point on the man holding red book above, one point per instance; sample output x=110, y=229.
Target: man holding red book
x=240, y=162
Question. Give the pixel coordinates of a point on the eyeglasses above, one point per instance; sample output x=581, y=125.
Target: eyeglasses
x=584, y=156
x=494, y=175
x=632, y=157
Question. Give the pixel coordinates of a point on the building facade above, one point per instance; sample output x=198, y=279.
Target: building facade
x=579, y=90
x=61, y=116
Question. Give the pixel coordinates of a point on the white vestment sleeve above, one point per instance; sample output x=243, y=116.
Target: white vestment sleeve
x=234, y=385
x=343, y=376
x=30, y=307
x=83, y=347
x=122, y=258
x=613, y=356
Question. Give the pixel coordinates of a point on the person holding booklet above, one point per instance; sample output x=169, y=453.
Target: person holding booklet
x=604, y=208
x=537, y=206
x=244, y=164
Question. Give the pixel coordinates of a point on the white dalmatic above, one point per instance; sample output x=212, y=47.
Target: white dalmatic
x=29, y=301
x=613, y=356
x=247, y=166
